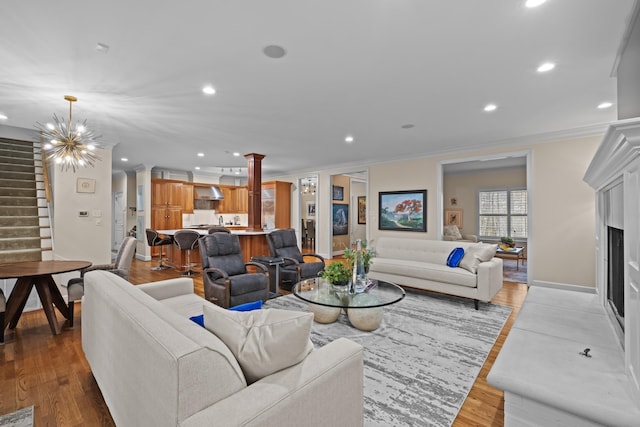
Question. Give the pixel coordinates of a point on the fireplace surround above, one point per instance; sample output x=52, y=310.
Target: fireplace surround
x=615, y=175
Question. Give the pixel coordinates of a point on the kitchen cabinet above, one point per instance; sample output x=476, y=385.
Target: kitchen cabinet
x=276, y=204
x=236, y=200
x=187, y=198
x=166, y=193
x=167, y=199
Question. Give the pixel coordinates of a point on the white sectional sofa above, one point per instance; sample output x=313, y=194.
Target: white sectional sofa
x=155, y=367
x=421, y=263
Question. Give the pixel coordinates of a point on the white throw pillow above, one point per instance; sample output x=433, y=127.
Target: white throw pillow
x=475, y=254
x=263, y=341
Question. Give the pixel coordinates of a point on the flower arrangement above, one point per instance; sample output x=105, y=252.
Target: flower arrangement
x=349, y=255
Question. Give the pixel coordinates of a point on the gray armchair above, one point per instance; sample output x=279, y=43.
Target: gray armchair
x=121, y=267
x=283, y=244
x=225, y=277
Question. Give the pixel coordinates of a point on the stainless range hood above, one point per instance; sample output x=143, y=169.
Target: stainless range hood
x=207, y=193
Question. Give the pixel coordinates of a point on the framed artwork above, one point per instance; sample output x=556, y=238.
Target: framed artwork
x=402, y=210
x=85, y=185
x=362, y=209
x=340, y=219
x=453, y=217
x=338, y=192
x=311, y=208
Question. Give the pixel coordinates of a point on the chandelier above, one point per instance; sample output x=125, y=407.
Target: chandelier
x=71, y=146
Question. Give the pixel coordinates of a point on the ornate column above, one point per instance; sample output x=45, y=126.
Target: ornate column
x=255, y=187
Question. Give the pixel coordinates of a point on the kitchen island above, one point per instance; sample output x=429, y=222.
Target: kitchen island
x=252, y=243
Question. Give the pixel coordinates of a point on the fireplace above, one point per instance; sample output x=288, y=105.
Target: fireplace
x=615, y=274
x=615, y=175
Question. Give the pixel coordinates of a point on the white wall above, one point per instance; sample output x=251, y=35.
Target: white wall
x=83, y=238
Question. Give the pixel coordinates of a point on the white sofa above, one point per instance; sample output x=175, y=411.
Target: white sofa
x=155, y=367
x=421, y=263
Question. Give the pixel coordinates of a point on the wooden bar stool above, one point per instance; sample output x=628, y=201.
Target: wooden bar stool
x=153, y=239
x=186, y=240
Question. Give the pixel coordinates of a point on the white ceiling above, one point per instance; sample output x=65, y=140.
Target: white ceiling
x=353, y=67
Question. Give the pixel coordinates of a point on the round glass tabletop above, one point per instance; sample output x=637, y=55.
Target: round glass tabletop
x=319, y=291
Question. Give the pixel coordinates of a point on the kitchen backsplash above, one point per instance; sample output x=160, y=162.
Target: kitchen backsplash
x=209, y=217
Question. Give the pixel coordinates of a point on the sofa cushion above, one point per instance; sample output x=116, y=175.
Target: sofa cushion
x=424, y=270
x=263, y=341
x=477, y=253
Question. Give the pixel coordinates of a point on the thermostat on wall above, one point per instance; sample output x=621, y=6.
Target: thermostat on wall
x=83, y=214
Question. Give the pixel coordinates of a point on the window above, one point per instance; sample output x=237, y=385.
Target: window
x=503, y=213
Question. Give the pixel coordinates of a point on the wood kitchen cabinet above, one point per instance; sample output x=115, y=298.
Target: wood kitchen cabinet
x=187, y=198
x=236, y=200
x=167, y=199
x=276, y=204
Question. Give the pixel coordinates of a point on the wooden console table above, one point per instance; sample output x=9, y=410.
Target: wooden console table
x=38, y=274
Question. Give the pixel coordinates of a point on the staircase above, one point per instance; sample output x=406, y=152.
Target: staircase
x=25, y=231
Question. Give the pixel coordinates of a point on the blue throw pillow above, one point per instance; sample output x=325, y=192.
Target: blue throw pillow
x=255, y=305
x=248, y=306
x=455, y=257
x=198, y=319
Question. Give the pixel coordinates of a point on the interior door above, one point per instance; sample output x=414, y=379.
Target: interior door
x=118, y=219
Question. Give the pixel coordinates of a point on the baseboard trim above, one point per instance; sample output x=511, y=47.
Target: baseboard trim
x=564, y=286
x=143, y=257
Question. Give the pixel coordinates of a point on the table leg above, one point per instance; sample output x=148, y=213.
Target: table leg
x=17, y=301
x=57, y=298
x=46, y=297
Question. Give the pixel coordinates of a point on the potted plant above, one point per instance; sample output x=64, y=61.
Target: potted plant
x=336, y=273
x=507, y=242
x=350, y=256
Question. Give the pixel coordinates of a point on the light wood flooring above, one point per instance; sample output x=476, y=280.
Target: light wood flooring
x=51, y=372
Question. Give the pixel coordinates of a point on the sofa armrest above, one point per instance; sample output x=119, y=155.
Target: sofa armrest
x=168, y=288
x=304, y=394
x=489, y=279
x=470, y=237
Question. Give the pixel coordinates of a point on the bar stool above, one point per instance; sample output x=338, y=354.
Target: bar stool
x=153, y=239
x=186, y=240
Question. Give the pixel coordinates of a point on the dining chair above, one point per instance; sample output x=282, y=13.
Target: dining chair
x=226, y=279
x=283, y=243
x=120, y=266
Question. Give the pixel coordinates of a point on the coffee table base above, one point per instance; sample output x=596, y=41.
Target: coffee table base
x=322, y=314
x=365, y=319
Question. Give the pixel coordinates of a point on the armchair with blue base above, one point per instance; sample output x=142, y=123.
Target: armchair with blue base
x=226, y=279
x=283, y=244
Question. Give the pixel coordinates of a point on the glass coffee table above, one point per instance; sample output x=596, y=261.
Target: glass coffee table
x=364, y=309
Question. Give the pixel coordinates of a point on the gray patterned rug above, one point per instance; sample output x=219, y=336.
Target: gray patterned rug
x=421, y=363
x=20, y=418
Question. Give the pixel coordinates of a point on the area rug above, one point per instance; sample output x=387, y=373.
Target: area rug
x=421, y=363
x=513, y=273
x=20, y=418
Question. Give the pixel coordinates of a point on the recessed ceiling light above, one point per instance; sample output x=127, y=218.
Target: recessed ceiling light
x=604, y=105
x=200, y=154
x=348, y=139
x=208, y=90
x=408, y=126
x=490, y=107
x=197, y=168
x=124, y=159
x=547, y=66
x=3, y=117
x=274, y=51
x=534, y=3
x=236, y=154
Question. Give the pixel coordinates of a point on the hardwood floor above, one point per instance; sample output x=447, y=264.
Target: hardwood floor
x=51, y=372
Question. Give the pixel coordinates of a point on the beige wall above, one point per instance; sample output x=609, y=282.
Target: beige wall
x=465, y=187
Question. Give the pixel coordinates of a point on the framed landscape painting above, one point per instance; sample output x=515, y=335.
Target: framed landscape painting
x=402, y=210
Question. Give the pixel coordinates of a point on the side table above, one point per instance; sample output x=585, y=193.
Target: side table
x=272, y=264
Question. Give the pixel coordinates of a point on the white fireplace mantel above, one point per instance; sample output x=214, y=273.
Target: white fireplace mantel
x=618, y=160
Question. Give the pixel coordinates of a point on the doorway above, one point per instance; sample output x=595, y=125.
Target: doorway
x=308, y=216
x=346, y=191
